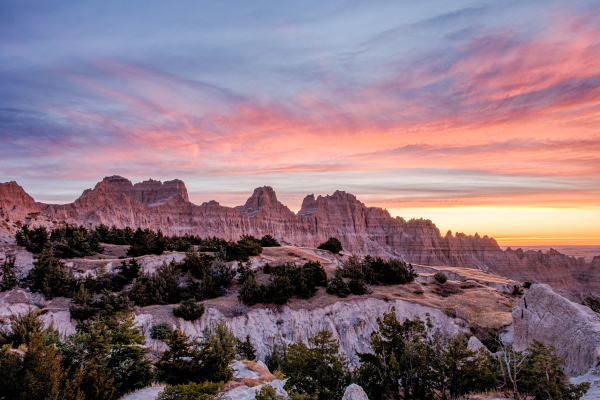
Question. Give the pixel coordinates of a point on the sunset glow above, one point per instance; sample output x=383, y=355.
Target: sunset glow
x=483, y=117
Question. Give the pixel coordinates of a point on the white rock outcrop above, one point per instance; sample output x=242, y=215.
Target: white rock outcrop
x=355, y=392
x=573, y=329
x=249, y=393
x=475, y=344
x=350, y=321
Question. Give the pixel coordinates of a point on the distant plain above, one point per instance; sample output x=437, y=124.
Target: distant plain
x=587, y=252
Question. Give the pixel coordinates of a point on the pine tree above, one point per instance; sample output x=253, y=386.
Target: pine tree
x=127, y=361
x=217, y=351
x=317, y=369
x=9, y=278
x=176, y=365
x=337, y=286
x=245, y=271
x=24, y=326
x=251, y=292
x=43, y=377
x=189, y=310
x=246, y=349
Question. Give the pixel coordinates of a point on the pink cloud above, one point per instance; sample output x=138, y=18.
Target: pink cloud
x=504, y=106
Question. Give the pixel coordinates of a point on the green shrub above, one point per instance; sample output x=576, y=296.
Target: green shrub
x=24, y=326
x=246, y=349
x=279, y=290
x=189, y=310
x=190, y=391
x=158, y=288
x=332, y=244
x=51, y=277
x=440, y=277
x=408, y=359
x=357, y=287
x=377, y=271
x=34, y=240
x=269, y=241
x=248, y=246
x=517, y=291
x=196, y=264
x=251, y=292
x=147, y=242
x=74, y=241
x=188, y=360
x=268, y=392
x=9, y=278
x=244, y=271
x=301, y=281
x=543, y=377
x=316, y=369
x=65, y=242
x=338, y=286
x=81, y=304
x=160, y=331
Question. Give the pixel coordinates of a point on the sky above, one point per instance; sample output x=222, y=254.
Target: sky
x=483, y=116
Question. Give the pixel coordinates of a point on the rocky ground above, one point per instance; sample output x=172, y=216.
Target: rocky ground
x=481, y=299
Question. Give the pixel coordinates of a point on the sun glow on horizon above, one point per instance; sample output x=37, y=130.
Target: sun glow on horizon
x=514, y=226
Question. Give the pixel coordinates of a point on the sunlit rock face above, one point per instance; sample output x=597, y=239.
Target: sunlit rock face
x=150, y=192
x=362, y=230
x=15, y=203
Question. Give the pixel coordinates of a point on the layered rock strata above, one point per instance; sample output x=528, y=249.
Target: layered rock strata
x=362, y=230
x=350, y=321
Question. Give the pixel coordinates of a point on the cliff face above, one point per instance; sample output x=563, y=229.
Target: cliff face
x=572, y=328
x=15, y=203
x=350, y=321
x=362, y=230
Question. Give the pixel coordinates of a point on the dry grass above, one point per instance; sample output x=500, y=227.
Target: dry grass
x=292, y=254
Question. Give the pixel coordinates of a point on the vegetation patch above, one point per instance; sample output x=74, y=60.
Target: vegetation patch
x=332, y=244
x=285, y=281
x=446, y=289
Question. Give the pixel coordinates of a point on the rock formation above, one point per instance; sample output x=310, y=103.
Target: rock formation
x=150, y=192
x=475, y=344
x=573, y=329
x=355, y=392
x=348, y=321
x=362, y=230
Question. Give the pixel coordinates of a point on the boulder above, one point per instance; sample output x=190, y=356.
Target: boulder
x=572, y=328
x=354, y=392
x=475, y=344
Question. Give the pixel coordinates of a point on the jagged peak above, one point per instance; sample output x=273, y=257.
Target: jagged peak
x=262, y=197
x=12, y=189
x=150, y=192
x=310, y=205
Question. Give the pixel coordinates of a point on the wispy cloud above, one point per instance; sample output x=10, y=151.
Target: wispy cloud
x=461, y=107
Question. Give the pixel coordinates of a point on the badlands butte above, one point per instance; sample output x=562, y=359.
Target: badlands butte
x=549, y=311
x=362, y=230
